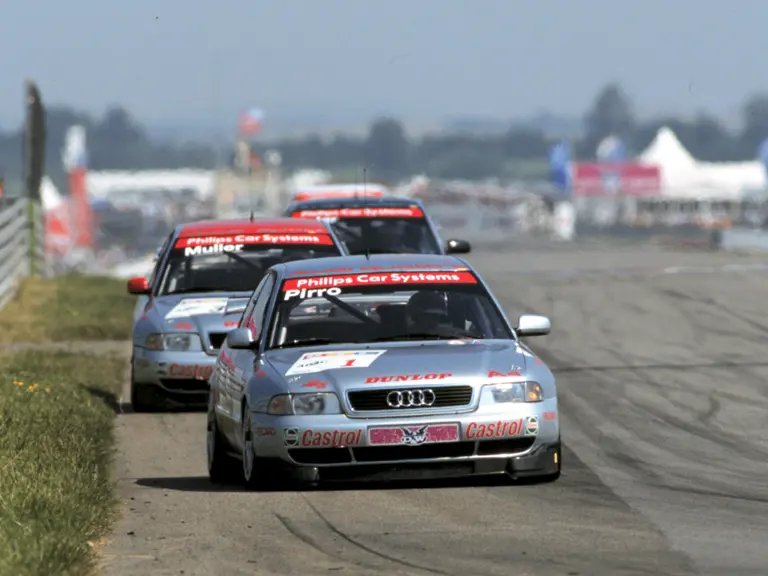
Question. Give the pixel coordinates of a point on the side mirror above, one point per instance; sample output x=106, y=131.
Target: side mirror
x=241, y=339
x=138, y=285
x=533, y=325
x=458, y=247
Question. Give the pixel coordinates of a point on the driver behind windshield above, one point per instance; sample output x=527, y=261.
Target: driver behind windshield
x=381, y=236
x=428, y=314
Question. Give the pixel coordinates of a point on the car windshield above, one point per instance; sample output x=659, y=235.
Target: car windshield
x=379, y=230
x=197, y=265
x=385, y=306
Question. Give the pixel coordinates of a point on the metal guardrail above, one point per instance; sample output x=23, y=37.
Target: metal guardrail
x=22, y=252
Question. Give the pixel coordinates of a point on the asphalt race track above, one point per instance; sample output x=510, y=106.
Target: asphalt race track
x=664, y=407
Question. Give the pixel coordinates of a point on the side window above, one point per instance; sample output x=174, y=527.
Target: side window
x=247, y=313
x=255, y=320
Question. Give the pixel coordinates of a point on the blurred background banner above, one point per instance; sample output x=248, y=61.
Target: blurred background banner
x=75, y=159
x=560, y=166
x=762, y=154
x=611, y=149
x=615, y=179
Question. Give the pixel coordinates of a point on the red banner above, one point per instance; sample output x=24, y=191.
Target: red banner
x=615, y=179
x=81, y=210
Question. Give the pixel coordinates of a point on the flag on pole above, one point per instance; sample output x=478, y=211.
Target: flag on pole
x=251, y=121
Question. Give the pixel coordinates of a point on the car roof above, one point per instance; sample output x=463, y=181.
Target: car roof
x=376, y=262
x=333, y=191
x=257, y=226
x=352, y=202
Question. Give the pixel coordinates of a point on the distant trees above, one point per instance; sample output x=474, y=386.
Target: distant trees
x=117, y=141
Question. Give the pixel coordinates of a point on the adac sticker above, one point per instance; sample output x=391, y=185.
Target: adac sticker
x=319, y=361
x=195, y=306
x=532, y=426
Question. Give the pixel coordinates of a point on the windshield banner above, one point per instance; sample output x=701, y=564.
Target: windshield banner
x=332, y=285
x=412, y=212
x=243, y=239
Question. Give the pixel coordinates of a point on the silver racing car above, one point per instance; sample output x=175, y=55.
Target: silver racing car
x=380, y=367
x=204, y=275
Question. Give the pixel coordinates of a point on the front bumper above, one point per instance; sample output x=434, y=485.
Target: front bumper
x=522, y=441
x=174, y=373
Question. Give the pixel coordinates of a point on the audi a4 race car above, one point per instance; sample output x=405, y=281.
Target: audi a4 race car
x=381, y=225
x=202, y=279
x=388, y=367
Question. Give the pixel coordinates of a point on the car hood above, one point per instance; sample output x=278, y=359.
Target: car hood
x=202, y=313
x=342, y=368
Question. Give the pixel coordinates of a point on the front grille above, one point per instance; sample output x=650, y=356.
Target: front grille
x=505, y=446
x=216, y=339
x=373, y=400
x=425, y=451
x=320, y=455
x=184, y=384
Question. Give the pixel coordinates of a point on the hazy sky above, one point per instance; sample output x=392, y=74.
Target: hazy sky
x=174, y=60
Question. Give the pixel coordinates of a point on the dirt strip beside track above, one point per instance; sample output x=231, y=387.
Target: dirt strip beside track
x=663, y=406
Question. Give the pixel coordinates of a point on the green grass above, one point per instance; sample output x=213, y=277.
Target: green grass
x=68, y=308
x=56, y=444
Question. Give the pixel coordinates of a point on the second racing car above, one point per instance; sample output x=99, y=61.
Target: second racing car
x=388, y=367
x=202, y=279
x=384, y=225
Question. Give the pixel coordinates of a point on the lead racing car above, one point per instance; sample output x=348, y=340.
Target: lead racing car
x=202, y=279
x=381, y=367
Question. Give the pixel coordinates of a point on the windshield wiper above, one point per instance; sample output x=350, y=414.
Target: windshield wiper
x=243, y=260
x=309, y=342
x=427, y=336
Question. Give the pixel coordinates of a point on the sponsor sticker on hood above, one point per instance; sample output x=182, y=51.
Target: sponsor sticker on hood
x=320, y=361
x=196, y=306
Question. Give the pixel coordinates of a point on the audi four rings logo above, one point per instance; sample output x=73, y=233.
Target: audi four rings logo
x=410, y=398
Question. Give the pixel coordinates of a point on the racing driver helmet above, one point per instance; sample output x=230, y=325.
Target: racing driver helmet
x=427, y=305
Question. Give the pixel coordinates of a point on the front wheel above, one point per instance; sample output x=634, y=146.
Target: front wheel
x=222, y=468
x=554, y=476
x=144, y=398
x=257, y=474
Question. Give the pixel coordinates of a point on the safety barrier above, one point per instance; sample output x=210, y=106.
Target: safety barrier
x=22, y=248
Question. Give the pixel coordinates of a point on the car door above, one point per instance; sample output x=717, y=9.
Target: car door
x=235, y=367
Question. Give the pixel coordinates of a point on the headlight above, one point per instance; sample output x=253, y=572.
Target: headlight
x=516, y=392
x=182, y=342
x=304, y=404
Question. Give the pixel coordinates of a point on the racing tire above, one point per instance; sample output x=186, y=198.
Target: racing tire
x=555, y=476
x=143, y=398
x=256, y=474
x=222, y=468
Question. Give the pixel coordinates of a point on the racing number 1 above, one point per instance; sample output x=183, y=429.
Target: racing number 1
x=350, y=363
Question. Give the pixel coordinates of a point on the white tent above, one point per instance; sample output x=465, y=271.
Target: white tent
x=683, y=176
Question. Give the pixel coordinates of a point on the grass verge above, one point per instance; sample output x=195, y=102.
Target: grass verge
x=56, y=445
x=68, y=308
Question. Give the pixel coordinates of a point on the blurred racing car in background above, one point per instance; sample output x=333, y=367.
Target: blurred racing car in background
x=203, y=276
x=370, y=190
x=388, y=367
x=379, y=225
